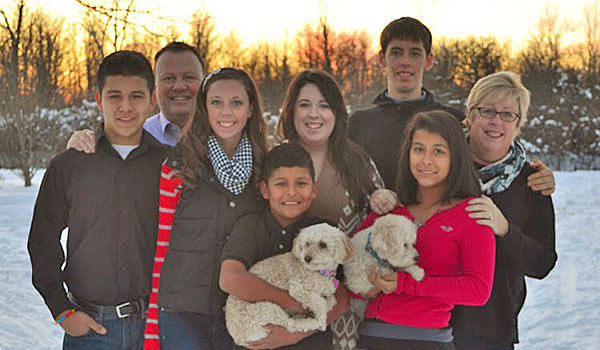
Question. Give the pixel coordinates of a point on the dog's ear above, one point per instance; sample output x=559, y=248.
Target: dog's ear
x=344, y=249
x=384, y=237
x=297, y=247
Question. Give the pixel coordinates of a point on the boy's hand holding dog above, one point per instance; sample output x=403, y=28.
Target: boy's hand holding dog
x=278, y=337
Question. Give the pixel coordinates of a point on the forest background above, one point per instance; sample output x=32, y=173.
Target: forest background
x=48, y=67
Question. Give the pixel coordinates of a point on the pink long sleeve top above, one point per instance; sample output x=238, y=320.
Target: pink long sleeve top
x=457, y=255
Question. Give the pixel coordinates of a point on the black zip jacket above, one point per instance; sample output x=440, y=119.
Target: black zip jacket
x=527, y=250
x=379, y=129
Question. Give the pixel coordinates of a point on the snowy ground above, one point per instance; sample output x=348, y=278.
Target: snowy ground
x=561, y=312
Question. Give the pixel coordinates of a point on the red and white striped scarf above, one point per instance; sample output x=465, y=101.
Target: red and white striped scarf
x=170, y=190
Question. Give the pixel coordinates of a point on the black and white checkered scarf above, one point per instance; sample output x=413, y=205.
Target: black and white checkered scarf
x=498, y=176
x=232, y=174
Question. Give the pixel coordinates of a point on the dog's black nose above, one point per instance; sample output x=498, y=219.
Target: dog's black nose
x=417, y=258
x=307, y=258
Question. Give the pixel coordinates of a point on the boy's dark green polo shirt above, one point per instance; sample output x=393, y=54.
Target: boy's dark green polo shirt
x=256, y=237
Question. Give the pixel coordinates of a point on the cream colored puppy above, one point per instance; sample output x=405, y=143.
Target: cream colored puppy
x=307, y=273
x=389, y=245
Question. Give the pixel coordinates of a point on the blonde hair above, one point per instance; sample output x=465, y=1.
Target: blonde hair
x=497, y=86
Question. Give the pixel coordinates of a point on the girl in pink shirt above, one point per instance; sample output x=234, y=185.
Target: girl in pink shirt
x=435, y=181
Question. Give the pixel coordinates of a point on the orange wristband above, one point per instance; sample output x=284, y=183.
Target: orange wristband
x=65, y=316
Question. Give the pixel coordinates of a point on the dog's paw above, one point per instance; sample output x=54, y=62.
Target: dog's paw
x=416, y=272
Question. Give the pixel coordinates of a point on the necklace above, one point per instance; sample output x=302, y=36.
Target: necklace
x=421, y=218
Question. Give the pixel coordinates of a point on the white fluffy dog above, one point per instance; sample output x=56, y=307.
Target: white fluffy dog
x=388, y=244
x=307, y=273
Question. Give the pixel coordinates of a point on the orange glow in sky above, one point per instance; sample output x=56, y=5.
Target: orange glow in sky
x=271, y=19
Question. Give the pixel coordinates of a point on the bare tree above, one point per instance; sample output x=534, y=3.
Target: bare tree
x=94, y=47
x=354, y=66
x=30, y=74
x=477, y=57
x=591, y=35
x=314, y=46
x=231, y=52
x=544, y=48
x=14, y=30
x=202, y=31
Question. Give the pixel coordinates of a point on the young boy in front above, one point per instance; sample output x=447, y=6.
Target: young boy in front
x=288, y=185
x=109, y=202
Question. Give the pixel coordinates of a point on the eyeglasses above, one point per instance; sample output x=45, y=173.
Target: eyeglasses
x=490, y=113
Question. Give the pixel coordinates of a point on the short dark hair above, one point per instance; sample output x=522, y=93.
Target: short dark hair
x=176, y=47
x=462, y=181
x=287, y=155
x=406, y=28
x=127, y=63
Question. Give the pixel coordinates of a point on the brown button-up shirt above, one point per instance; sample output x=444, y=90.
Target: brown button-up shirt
x=110, y=207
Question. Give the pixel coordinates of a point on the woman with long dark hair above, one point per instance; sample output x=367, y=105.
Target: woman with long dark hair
x=314, y=115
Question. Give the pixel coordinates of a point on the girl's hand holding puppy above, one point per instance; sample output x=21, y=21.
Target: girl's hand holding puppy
x=384, y=283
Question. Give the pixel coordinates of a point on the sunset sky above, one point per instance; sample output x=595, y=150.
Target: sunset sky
x=271, y=19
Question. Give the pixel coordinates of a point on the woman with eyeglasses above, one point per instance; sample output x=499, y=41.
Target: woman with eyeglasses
x=518, y=209
x=522, y=219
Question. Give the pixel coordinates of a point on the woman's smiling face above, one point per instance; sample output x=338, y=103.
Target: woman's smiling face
x=314, y=120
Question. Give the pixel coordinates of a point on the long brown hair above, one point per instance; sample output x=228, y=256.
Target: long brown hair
x=194, y=142
x=462, y=178
x=349, y=159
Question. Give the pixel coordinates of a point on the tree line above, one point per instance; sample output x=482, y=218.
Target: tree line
x=48, y=67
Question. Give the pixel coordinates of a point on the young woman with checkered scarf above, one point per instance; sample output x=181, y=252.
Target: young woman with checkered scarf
x=207, y=183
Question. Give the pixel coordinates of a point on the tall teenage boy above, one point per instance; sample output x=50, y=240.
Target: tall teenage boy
x=405, y=55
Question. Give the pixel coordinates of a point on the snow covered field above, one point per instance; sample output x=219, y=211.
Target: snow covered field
x=562, y=312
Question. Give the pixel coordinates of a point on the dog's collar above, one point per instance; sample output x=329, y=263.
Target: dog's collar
x=330, y=274
x=369, y=249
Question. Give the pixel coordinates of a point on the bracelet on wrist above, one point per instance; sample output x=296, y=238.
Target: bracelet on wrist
x=65, y=316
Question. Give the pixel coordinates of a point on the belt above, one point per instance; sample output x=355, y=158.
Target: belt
x=122, y=310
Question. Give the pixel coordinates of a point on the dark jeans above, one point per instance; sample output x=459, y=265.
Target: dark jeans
x=464, y=340
x=194, y=331
x=121, y=334
x=373, y=343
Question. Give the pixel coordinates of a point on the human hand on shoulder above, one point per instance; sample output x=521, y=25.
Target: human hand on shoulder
x=79, y=324
x=278, y=337
x=543, y=179
x=487, y=213
x=83, y=141
x=382, y=201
